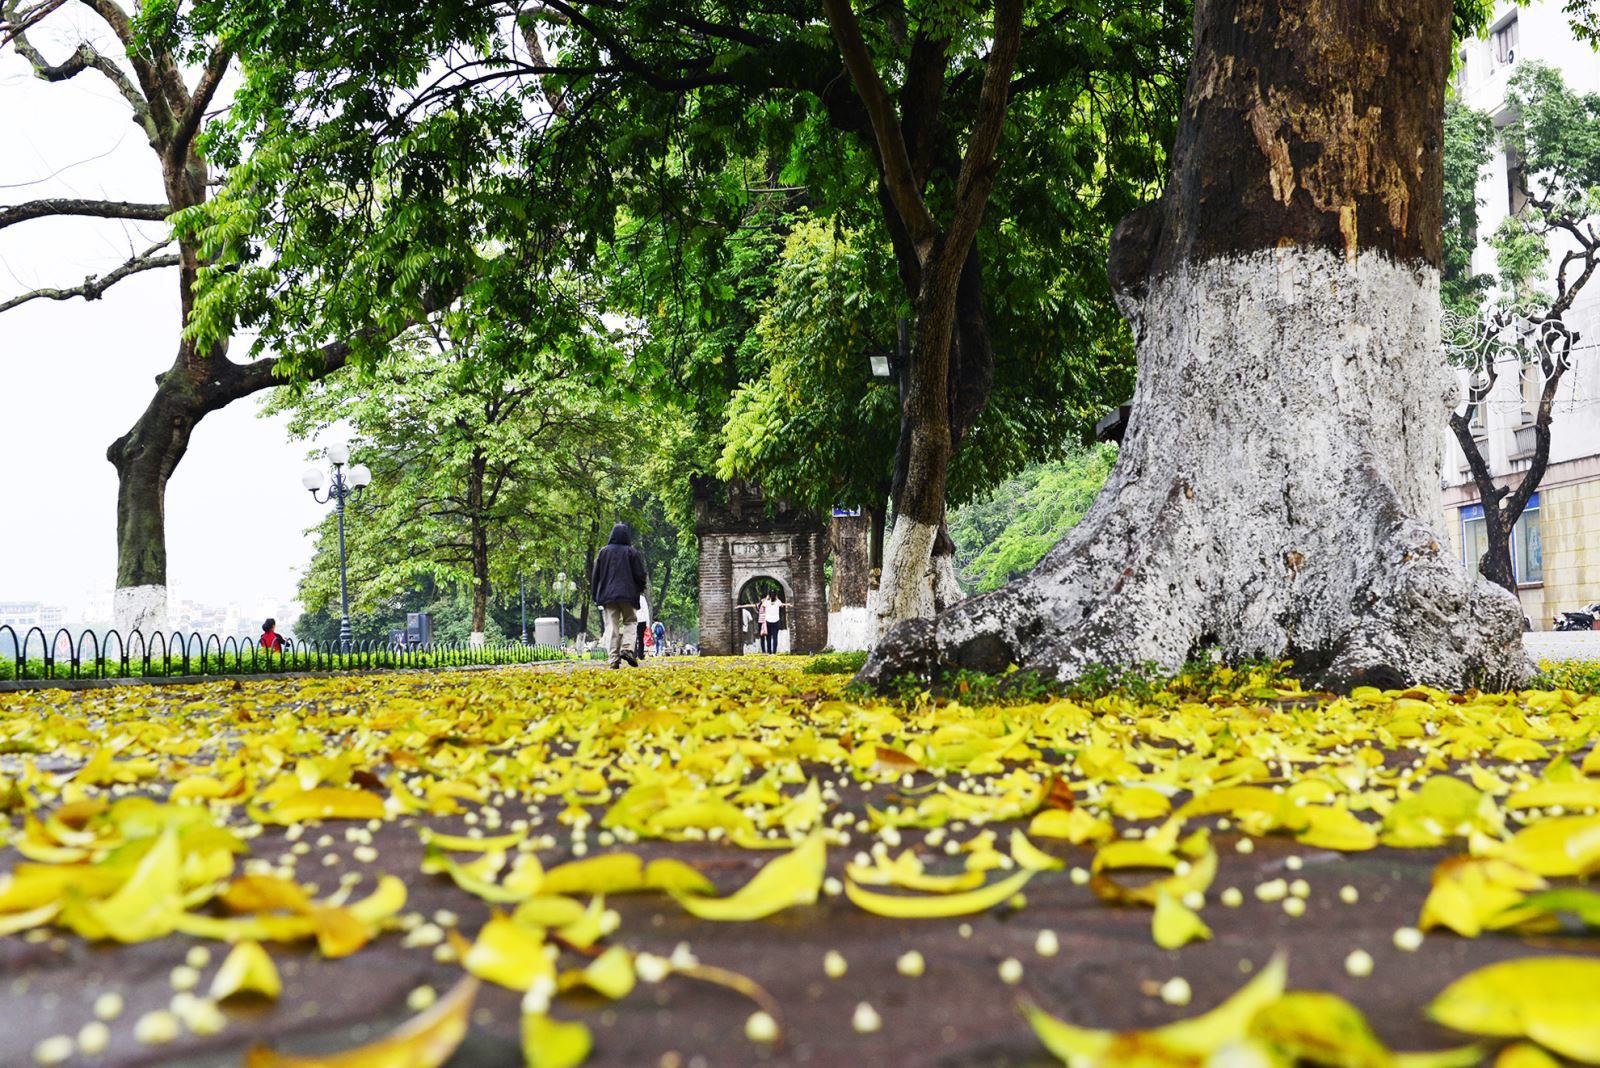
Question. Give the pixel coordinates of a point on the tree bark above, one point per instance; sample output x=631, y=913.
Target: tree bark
x=1504, y=505
x=950, y=365
x=1275, y=490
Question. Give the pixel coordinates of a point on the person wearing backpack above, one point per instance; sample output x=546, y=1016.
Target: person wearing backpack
x=615, y=585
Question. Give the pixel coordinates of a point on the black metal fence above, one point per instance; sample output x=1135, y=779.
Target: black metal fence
x=92, y=655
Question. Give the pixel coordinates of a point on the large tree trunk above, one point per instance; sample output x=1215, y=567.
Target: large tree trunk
x=1274, y=492
x=145, y=458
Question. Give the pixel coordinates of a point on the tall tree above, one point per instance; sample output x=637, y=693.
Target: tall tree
x=169, y=89
x=1555, y=132
x=479, y=472
x=1273, y=492
x=547, y=134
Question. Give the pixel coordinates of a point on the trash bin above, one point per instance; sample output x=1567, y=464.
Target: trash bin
x=547, y=631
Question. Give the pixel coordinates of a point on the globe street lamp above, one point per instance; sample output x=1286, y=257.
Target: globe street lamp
x=346, y=485
x=564, y=586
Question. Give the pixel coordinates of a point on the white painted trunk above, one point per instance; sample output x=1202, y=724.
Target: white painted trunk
x=477, y=639
x=915, y=583
x=141, y=608
x=1273, y=496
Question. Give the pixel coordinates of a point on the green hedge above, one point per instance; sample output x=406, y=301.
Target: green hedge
x=232, y=664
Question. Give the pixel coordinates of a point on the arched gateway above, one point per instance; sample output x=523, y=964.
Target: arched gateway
x=745, y=538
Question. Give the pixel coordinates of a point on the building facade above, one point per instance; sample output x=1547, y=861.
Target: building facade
x=747, y=544
x=1556, y=544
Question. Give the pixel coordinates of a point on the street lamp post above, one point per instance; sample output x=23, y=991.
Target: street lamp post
x=522, y=593
x=342, y=487
x=564, y=586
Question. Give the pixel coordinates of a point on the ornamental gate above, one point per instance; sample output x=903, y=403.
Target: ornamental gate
x=747, y=541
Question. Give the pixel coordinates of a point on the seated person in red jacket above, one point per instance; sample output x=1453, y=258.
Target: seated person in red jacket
x=271, y=640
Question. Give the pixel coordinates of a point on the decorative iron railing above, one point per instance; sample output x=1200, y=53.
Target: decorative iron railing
x=34, y=656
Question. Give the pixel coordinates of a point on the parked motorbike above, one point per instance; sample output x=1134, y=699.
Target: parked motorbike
x=1582, y=620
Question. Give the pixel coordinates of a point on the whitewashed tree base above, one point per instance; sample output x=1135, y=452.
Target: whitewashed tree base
x=1270, y=499
x=141, y=608
x=915, y=583
x=850, y=629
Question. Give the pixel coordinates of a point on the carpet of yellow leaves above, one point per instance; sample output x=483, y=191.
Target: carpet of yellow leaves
x=130, y=816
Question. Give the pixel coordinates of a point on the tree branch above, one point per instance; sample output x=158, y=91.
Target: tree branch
x=13, y=29
x=94, y=286
x=977, y=169
x=97, y=209
x=206, y=88
x=898, y=175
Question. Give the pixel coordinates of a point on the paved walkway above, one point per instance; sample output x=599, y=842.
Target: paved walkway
x=1563, y=645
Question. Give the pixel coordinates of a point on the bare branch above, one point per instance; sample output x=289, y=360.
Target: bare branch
x=160, y=83
x=204, y=89
x=530, y=39
x=978, y=169
x=97, y=209
x=13, y=29
x=898, y=175
x=94, y=286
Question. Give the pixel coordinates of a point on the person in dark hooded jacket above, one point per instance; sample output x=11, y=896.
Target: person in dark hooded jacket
x=617, y=583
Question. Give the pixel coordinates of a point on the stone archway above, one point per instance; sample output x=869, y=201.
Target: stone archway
x=748, y=631
x=745, y=537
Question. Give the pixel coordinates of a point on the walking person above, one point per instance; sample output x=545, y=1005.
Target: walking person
x=617, y=582
x=659, y=632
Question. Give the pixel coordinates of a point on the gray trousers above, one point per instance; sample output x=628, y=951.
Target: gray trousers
x=620, y=619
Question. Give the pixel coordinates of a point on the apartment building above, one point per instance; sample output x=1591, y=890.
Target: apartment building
x=1556, y=544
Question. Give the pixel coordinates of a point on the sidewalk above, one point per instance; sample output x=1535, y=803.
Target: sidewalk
x=1563, y=645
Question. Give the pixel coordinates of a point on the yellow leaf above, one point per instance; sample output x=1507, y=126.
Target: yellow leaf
x=339, y=933
x=13, y=922
x=466, y=877
x=1329, y=827
x=1185, y=1042
x=1027, y=855
x=1524, y=1055
x=1306, y=1027
x=596, y=922
x=383, y=903
x=1175, y=924
x=672, y=875
x=794, y=878
x=265, y=893
x=460, y=843
x=1547, y=999
x=246, y=970
x=935, y=906
x=1584, y=793
x=1562, y=846
x=1468, y=893
x=148, y=904
x=548, y=1043
x=508, y=954
x=200, y=786
x=1137, y=802
x=612, y=873
x=424, y=1041
x=325, y=803
x=548, y=910
x=611, y=973
x=906, y=871
x=1076, y=826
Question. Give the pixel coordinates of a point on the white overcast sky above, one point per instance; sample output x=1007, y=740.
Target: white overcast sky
x=74, y=376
